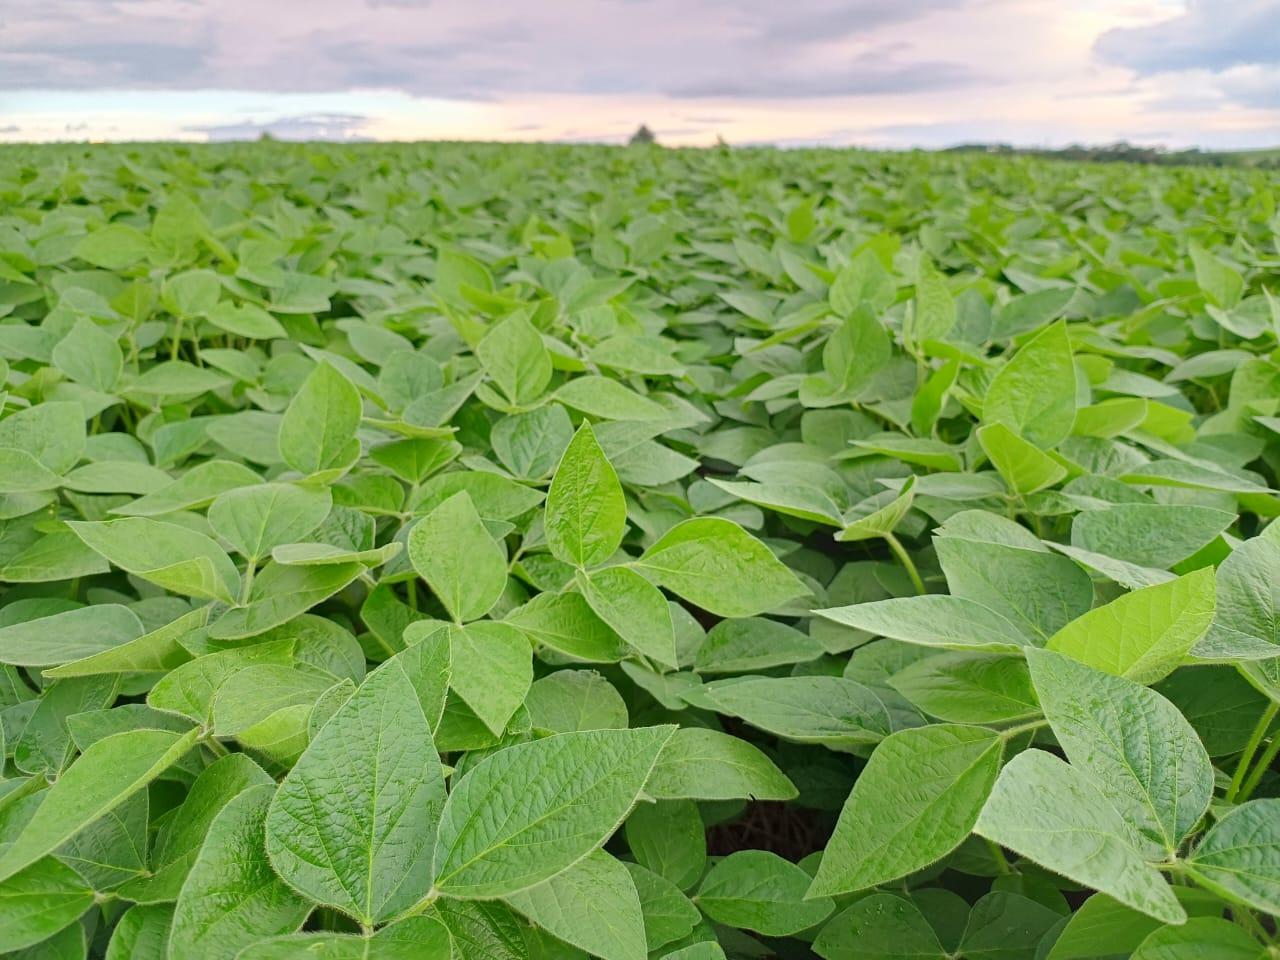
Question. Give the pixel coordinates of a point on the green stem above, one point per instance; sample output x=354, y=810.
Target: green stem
x=1246, y=758
x=905, y=559
x=218, y=749
x=1260, y=769
x=1010, y=732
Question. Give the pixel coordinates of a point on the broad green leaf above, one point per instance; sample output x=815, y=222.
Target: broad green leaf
x=915, y=801
x=414, y=938
x=352, y=825
x=484, y=930
x=709, y=765
x=1240, y=856
x=1248, y=594
x=105, y=775
x=592, y=905
x=1103, y=927
x=668, y=914
x=633, y=608
x=115, y=246
x=760, y=891
x=515, y=358
x=1054, y=814
x=318, y=431
x=89, y=355
x=255, y=520
x=952, y=623
x=586, y=514
x=40, y=900
x=718, y=566
x=879, y=927
x=1148, y=534
x=969, y=688
x=142, y=933
x=1137, y=747
x=1220, y=284
x=452, y=550
x=753, y=644
x=52, y=434
x=70, y=635
x=198, y=486
x=1200, y=938
x=607, y=399
x=189, y=689
x=280, y=593
x=1034, y=393
x=1025, y=467
x=492, y=670
x=1144, y=635
x=570, y=700
x=566, y=622
x=231, y=897
x=884, y=518
x=669, y=838
x=166, y=554
x=830, y=710
x=532, y=810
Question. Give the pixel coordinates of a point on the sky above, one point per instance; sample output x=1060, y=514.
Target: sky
x=876, y=73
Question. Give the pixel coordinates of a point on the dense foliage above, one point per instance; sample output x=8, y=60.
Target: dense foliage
x=537, y=552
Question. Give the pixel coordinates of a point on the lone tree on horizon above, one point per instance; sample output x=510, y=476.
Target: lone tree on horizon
x=642, y=136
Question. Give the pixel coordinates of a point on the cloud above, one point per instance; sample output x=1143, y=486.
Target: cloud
x=863, y=77
x=319, y=126
x=1214, y=35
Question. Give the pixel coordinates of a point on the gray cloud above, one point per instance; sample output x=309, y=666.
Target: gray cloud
x=465, y=49
x=1213, y=35
x=318, y=126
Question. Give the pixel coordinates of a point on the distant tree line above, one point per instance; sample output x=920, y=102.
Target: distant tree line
x=1125, y=152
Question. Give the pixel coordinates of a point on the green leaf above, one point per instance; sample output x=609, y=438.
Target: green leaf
x=492, y=670
x=879, y=927
x=1149, y=534
x=952, y=623
x=565, y=622
x=607, y=399
x=1103, y=927
x=105, y=775
x=1201, y=938
x=586, y=514
x=232, y=898
x=830, y=710
x=255, y=520
x=1034, y=393
x=709, y=765
x=282, y=592
x=1144, y=635
x=115, y=246
x=513, y=355
x=414, y=938
x=318, y=431
x=592, y=905
x=718, y=566
x=352, y=825
x=452, y=550
x=881, y=521
x=1240, y=856
x=916, y=801
x=669, y=838
x=1024, y=466
x=89, y=355
x=532, y=810
x=1140, y=751
x=969, y=688
x=1220, y=284
x=634, y=608
x=668, y=913
x=39, y=901
x=166, y=554
x=1054, y=814
x=70, y=635
x=757, y=890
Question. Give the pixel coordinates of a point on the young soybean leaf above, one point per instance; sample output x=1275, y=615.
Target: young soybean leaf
x=52, y=434
x=969, y=688
x=586, y=513
x=593, y=905
x=1155, y=535
x=1054, y=814
x=452, y=550
x=353, y=823
x=492, y=670
x=1003, y=922
x=89, y=355
x=760, y=891
x=1034, y=393
x=171, y=556
x=716, y=565
x=1200, y=938
x=515, y=358
x=879, y=927
x=523, y=815
x=831, y=710
x=142, y=933
x=255, y=520
x=1025, y=467
x=883, y=519
x=1140, y=751
x=40, y=900
x=318, y=431
x=231, y=897
x=280, y=593
x=1239, y=857
x=934, y=620
x=487, y=930
x=668, y=913
x=709, y=765
x=1248, y=608
x=634, y=608
x=916, y=800
x=1144, y=635
x=105, y=775
x=70, y=635
x=669, y=838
